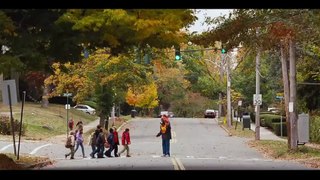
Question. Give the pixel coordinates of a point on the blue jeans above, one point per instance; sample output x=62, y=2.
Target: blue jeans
x=99, y=150
x=166, y=146
x=94, y=150
x=82, y=148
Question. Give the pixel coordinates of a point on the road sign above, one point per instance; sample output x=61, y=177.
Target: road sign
x=13, y=92
x=67, y=94
x=67, y=106
x=290, y=106
x=257, y=100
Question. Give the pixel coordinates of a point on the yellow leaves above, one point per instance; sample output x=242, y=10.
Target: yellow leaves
x=131, y=97
x=143, y=96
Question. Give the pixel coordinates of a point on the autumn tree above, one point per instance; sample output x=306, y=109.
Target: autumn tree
x=145, y=97
x=97, y=77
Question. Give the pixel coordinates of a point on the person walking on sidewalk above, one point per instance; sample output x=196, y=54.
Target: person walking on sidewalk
x=125, y=140
x=71, y=124
x=165, y=132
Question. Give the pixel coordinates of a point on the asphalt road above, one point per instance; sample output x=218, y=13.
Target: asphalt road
x=197, y=144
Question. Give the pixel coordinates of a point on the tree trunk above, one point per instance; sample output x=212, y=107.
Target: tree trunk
x=285, y=79
x=45, y=101
x=102, y=121
x=1, y=84
x=293, y=96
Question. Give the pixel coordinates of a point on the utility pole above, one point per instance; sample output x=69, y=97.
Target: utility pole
x=285, y=78
x=221, y=78
x=218, y=45
x=113, y=115
x=257, y=108
x=229, y=119
x=293, y=92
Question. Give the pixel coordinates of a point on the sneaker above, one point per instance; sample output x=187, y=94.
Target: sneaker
x=128, y=156
x=72, y=158
x=163, y=155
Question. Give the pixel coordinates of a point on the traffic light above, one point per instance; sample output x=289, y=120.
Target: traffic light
x=223, y=51
x=177, y=54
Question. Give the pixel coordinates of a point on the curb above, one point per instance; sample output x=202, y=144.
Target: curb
x=229, y=133
x=119, y=128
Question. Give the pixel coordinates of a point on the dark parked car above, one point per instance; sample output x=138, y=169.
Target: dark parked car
x=209, y=113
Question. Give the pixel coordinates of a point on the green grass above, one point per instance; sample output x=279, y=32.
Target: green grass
x=279, y=150
x=43, y=122
x=236, y=129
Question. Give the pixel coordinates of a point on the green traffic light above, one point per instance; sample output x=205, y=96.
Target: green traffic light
x=223, y=51
x=178, y=57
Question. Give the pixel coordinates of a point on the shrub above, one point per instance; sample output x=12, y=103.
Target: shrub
x=5, y=126
x=253, y=117
x=315, y=129
x=267, y=120
x=277, y=128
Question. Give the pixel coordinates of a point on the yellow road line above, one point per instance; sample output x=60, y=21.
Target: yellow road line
x=175, y=165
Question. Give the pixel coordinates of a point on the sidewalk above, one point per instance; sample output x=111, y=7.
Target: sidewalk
x=60, y=139
x=91, y=125
x=266, y=134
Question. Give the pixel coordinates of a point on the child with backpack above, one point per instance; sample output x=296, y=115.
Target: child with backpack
x=70, y=144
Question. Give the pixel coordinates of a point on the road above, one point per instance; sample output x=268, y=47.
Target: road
x=197, y=144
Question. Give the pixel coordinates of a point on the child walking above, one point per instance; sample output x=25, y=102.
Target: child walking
x=125, y=142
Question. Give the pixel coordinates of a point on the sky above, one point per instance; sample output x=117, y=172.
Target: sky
x=201, y=17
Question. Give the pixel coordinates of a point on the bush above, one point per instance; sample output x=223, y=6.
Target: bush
x=277, y=128
x=315, y=129
x=253, y=117
x=5, y=126
x=267, y=120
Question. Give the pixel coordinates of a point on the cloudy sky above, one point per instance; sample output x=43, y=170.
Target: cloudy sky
x=201, y=17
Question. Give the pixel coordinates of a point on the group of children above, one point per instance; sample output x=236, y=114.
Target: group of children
x=98, y=142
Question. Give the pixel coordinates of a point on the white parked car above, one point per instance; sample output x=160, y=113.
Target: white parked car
x=168, y=113
x=85, y=108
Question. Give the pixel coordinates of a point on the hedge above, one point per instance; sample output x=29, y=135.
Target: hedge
x=277, y=128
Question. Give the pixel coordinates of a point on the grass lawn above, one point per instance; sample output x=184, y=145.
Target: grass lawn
x=279, y=150
x=41, y=122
